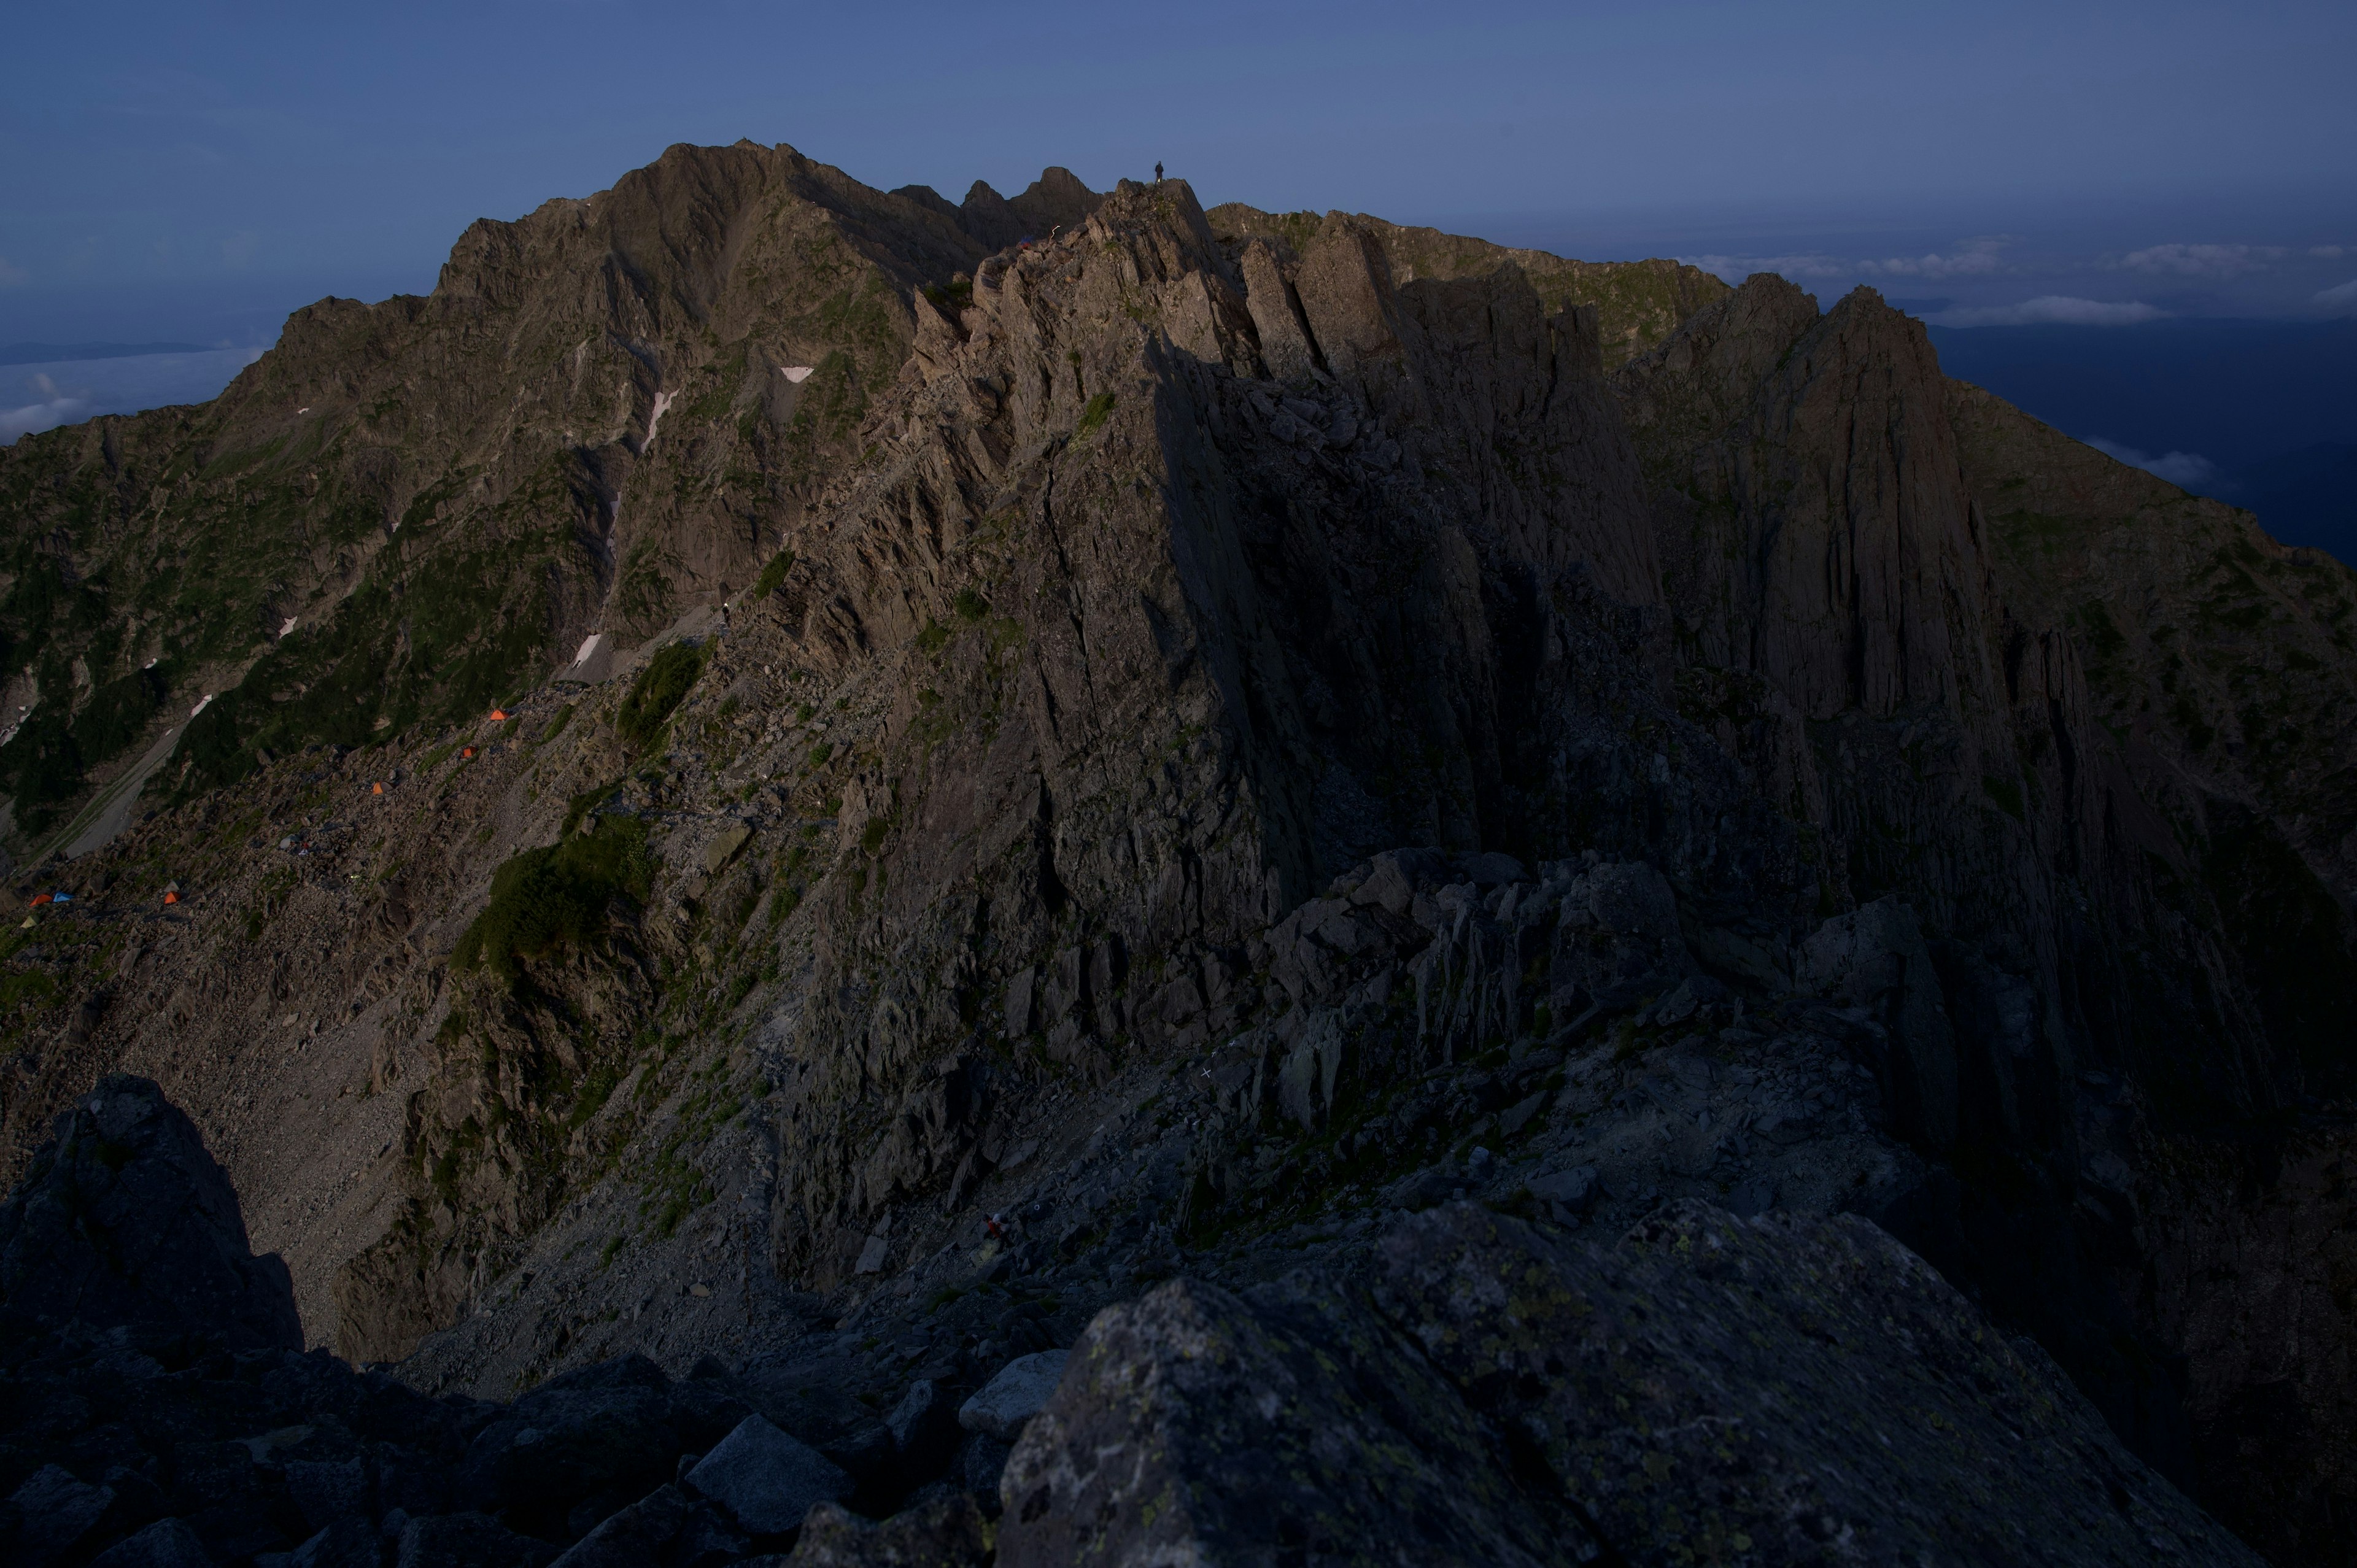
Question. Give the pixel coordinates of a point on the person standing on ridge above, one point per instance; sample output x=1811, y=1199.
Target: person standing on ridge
x=1158, y=174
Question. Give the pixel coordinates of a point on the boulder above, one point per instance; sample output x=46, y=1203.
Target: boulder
x=1571, y=1192
x=1002, y=1405
x=123, y=1218
x=1493, y=870
x=1296, y=1425
x=943, y=1531
x=923, y=1425
x=606, y=1427
x=350, y=1541
x=166, y=1543
x=724, y=847
x=468, y=1540
x=629, y=1537
x=54, y=1511
x=766, y=1480
x=1616, y=939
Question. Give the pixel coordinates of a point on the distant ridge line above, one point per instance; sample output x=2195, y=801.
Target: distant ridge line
x=42, y=353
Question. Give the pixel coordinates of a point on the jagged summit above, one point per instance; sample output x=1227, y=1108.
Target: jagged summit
x=1057, y=199
x=1131, y=755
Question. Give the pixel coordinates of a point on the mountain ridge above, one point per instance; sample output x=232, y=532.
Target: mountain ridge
x=1098, y=621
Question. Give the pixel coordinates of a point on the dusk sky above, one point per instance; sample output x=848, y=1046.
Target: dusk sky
x=191, y=172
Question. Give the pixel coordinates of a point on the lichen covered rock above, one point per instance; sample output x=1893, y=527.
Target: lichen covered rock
x=1707, y=1389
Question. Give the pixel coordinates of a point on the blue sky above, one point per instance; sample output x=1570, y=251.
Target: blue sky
x=192, y=171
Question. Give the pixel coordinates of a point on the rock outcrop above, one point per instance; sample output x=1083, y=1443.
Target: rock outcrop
x=1706, y=1388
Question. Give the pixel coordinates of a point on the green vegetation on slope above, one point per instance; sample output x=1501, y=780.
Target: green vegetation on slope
x=546, y=900
x=657, y=690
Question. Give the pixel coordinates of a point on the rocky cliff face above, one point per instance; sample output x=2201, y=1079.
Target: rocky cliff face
x=1828, y=791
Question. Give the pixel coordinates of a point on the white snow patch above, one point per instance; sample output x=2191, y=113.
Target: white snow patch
x=662, y=400
x=797, y=374
x=588, y=646
x=200, y=705
x=288, y=627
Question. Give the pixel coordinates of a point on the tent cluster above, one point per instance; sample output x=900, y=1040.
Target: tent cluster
x=61, y=896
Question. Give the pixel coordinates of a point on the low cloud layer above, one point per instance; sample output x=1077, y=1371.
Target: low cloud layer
x=1973, y=258
x=55, y=408
x=70, y=390
x=2187, y=470
x=1735, y=269
x=2051, y=310
x=1985, y=278
x=2202, y=261
x=1968, y=258
x=2340, y=297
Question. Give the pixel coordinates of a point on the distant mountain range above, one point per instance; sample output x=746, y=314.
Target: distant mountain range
x=47, y=353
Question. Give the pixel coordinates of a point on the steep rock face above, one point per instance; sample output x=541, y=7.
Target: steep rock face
x=123, y=1220
x=2222, y=662
x=1184, y=645
x=1637, y=304
x=1897, y=600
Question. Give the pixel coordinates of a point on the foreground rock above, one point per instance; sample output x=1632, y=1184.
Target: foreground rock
x=125, y=1220
x=1454, y=1386
x=1706, y=1390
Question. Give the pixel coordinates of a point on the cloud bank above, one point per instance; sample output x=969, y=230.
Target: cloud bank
x=2051, y=310
x=2342, y=297
x=2184, y=470
x=1974, y=258
x=66, y=391
x=55, y=408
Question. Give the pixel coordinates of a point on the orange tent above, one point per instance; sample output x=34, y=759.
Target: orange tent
x=171, y=897
x=38, y=900
x=499, y=715
x=379, y=789
x=466, y=751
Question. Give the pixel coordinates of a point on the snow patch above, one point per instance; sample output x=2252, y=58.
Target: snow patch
x=797, y=374
x=588, y=646
x=200, y=705
x=288, y=627
x=663, y=402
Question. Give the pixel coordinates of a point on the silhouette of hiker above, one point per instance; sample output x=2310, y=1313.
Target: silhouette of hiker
x=1158, y=174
